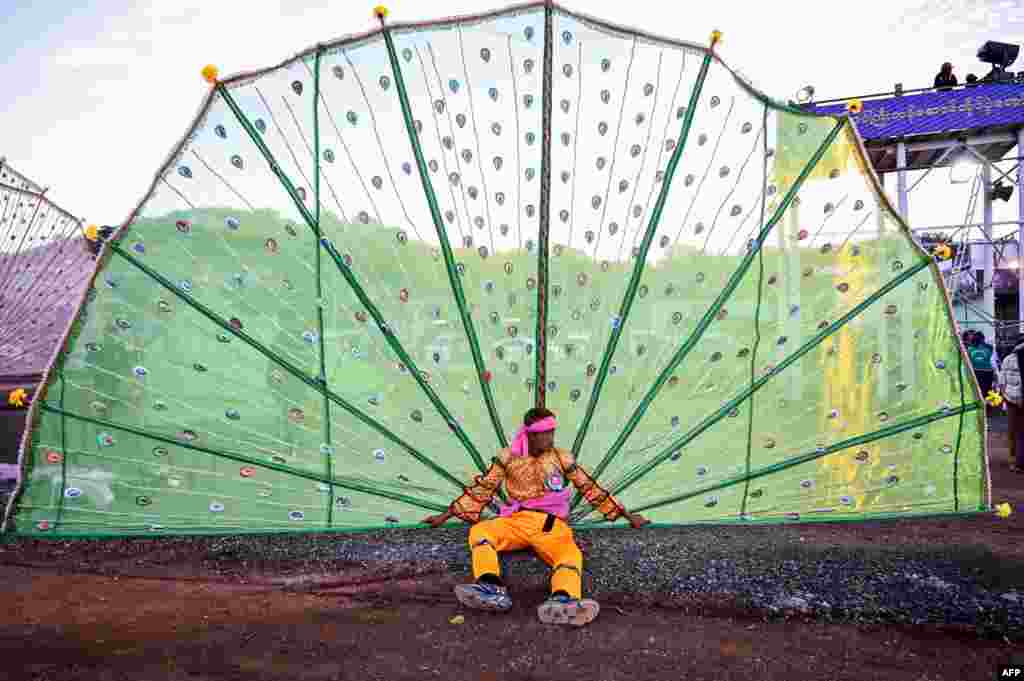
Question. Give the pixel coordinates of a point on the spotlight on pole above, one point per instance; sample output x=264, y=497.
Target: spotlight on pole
x=963, y=168
x=999, y=55
x=1000, y=191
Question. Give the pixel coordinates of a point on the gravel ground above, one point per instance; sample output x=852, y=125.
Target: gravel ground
x=770, y=572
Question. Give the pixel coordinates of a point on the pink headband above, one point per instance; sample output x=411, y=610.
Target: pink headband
x=519, y=444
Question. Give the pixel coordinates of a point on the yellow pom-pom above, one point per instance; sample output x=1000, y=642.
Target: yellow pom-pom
x=381, y=12
x=91, y=233
x=210, y=74
x=1004, y=510
x=854, y=106
x=943, y=252
x=17, y=397
x=994, y=398
x=716, y=37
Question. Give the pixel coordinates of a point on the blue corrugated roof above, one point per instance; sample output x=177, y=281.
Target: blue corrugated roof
x=981, y=106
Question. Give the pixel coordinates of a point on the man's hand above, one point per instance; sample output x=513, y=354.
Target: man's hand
x=636, y=520
x=438, y=520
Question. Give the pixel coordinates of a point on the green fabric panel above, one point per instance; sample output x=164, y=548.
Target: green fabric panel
x=758, y=337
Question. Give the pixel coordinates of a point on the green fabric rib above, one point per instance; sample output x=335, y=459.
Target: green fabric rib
x=286, y=365
x=780, y=367
x=641, y=259
x=541, y=330
x=804, y=519
x=446, y=250
x=242, y=458
x=717, y=305
x=389, y=337
x=404, y=356
x=269, y=157
x=329, y=451
x=894, y=429
x=64, y=459
x=757, y=315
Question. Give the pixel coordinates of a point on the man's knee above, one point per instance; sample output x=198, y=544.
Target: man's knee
x=570, y=555
x=481, y=534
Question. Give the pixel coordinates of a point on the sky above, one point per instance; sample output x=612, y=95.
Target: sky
x=98, y=93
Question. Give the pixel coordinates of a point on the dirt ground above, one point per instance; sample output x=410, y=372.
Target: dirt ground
x=124, y=622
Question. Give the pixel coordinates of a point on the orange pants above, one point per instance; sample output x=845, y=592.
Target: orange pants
x=525, y=529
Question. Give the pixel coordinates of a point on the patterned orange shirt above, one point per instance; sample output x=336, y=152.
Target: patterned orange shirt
x=525, y=478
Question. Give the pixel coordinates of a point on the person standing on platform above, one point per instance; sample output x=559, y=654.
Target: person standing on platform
x=1010, y=387
x=984, y=361
x=945, y=80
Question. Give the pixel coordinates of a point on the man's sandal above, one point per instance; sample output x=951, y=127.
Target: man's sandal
x=564, y=610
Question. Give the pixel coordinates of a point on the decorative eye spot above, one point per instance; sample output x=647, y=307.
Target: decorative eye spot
x=232, y=223
x=512, y=330
x=743, y=352
x=722, y=314
x=769, y=443
x=296, y=415
x=232, y=414
x=900, y=387
x=826, y=248
x=843, y=287
x=883, y=416
x=237, y=162
x=576, y=315
x=702, y=139
x=677, y=317
x=891, y=309
x=808, y=271
x=485, y=54
x=185, y=172
x=892, y=480
x=807, y=484
x=876, y=358
x=940, y=364
x=947, y=449
x=260, y=125
x=140, y=371
x=688, y=180
x=188, y=435
x=528, y=101
x=606, y=96
x=567, y=70
x=710, y=501
x=715, y=356
x=384, y=82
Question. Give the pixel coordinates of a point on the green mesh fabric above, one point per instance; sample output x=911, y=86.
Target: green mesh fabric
x=335, y=303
